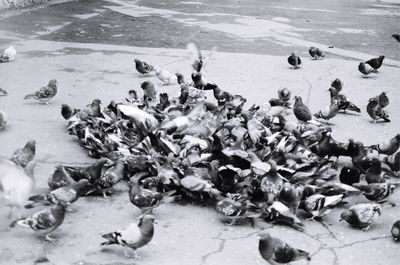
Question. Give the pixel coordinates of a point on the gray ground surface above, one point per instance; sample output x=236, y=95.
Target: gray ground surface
x=89, y=46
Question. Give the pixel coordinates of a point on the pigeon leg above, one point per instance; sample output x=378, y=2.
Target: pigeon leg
x=232, y=222
x=131, y=253
x=365, y=229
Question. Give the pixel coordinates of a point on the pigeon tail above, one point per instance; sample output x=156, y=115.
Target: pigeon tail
x=111, y=237
x=303, y=254
x=29, y=96
x=36, y=198
x=353, y=107
x=21, y=222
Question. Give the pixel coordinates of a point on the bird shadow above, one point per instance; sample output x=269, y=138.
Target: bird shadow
x=348, y=113
x=369, y=77
x=378, y=122
x=144, y=76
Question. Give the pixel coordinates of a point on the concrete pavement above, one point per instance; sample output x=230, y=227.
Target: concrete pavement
x=185, y=234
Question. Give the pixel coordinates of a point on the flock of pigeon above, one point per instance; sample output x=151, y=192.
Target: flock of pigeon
x=248, y=163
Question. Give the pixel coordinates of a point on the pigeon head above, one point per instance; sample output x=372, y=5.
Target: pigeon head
x=52, y=83
x=137, y=61
x=157, y=68
x=346, y=215
x=96, y=102
x=132, y=93
x=180, y=78
x=337, y=83
x=298, y=100
x=264, y=235
x=284, y=94
x=31, y=145
x=381, y=57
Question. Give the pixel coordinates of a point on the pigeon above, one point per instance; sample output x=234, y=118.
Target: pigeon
x=165, y=76
x=337, y=84
x=362, y=215
x=290, y=196
x=375, y=111
x=315, y=53
x=146, y=200
x=366, y=69
x=149, y=91
x=383, y=100
x=16, y=183
x=388, y=147
x=23, y=156
x=133, y=97
x=66, y=194
x=376, y=63
x=3, y=92
x=134, y=236
x=294, y=60
x=319, y=205
x=396, y=231
x=111, y=176
x=396, y=37
x=59, y=178
x=393, y=161
x=143, y=67
x=198, y=65
x=3, y=121
x=235, y=206
x=328, y=113
x=45, y=94
x=373, y=172
x=377, y=192
x=301, y=111
x=284, y=95
x=8, y=55
x=341, y=101
x=44, y=221
x=274, y=250
x=91, y=173
x=67, y=111
x=349, y=175
x=279, y=213
x=90, y=111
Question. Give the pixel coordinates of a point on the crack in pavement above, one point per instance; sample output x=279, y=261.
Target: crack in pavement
x=361, y=241
x=224, y=240
x=220, y=248
x=309, y=89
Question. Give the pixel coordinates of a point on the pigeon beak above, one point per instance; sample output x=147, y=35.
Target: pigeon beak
x=155, y=221
x=340, y=219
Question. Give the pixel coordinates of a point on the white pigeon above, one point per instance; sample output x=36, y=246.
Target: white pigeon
x=8, y=55
x=165, y=76
x=134, y=236
x=16, y=183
